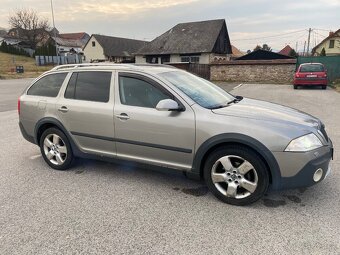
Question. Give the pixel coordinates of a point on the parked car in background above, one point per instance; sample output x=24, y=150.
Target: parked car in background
x=311, y=74
x=167, y=117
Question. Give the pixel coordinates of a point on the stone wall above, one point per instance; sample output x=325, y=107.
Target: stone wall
x=264, y=71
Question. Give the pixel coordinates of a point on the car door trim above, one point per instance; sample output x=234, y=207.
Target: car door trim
x=111, y=139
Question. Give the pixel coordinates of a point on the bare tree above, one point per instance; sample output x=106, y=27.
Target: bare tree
x=29, y=26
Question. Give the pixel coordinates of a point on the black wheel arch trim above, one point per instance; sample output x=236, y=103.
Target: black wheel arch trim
x=50, y=120
x=240, y=139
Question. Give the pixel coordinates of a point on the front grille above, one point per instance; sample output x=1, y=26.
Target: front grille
x=323, y=131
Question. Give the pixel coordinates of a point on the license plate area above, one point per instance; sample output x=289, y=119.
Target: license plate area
x=311, y=76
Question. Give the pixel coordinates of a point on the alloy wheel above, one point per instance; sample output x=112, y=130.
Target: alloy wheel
x=234, y=177
x=55, y=149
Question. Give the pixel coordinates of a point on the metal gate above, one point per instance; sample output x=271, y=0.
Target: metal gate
x=332, y=64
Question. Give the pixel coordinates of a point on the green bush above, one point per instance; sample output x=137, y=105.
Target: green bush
x=7, y=48
x=46, y=50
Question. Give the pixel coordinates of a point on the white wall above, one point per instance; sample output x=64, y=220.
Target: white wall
x=96, y=52
x=176, y=58
x=140, y=59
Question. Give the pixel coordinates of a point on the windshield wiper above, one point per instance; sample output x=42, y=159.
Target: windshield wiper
x=234, y=101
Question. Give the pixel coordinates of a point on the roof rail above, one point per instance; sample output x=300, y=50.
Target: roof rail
x=60, y=67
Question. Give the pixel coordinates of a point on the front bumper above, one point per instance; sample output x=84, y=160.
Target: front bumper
x=297, y=169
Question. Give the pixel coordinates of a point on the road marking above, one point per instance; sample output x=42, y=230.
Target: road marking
x=238, y=86
x=35, y=156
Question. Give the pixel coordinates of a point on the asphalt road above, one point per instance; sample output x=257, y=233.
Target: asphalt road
x=10, y=90
x=102, y=208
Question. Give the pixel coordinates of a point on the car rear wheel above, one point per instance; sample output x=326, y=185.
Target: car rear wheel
x=236, y=175
x=56, y=149
x=324, y=87
x=295, y=86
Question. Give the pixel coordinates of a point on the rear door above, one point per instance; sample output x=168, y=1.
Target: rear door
x=86, y=110
x=145, y=134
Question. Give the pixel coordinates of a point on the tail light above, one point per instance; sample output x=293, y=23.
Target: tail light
x=19, y=105
x=297, y=75
x=325, y=75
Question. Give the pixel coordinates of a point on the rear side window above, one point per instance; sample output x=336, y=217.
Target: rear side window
x=48, y=86
x=311, y=68
x=89, y=86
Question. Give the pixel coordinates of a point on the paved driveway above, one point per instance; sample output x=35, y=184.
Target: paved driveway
x=101, y=208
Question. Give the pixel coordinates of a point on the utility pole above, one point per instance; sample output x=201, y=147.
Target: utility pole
x=55, y=34
x=304, y=49
x=309, y=32
x=296, y=47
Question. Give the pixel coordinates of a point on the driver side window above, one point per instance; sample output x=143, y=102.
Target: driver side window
x=138, y=92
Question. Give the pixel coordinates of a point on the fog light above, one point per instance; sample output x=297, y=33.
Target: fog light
x=318, y=175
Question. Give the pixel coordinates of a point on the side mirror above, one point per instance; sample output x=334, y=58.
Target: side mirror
x=167, y=105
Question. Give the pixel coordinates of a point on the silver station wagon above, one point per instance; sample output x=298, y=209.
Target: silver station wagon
x=165, y=117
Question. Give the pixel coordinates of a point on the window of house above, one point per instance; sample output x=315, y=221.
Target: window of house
x=191, y=59
x=185, y=59
x=47, y=86
x=331, y=44
x=93, y=44
x=137, y=92
x=89, y=86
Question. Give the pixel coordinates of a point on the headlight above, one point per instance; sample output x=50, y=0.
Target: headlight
x=304, y=143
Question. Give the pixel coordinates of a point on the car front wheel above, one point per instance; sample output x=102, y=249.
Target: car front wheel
x=56, y=149
x=236, y=175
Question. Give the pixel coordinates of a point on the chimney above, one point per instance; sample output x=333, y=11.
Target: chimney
x=331, y=33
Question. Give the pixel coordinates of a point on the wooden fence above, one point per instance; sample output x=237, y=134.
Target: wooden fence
x=201, y=70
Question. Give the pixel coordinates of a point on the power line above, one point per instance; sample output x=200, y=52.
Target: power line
x=264, y=37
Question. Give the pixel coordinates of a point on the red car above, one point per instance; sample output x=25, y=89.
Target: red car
x=311, y=74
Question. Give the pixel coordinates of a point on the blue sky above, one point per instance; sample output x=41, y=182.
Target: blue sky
x=250, y=22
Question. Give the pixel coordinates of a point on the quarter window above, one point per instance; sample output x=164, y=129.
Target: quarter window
x=48, y=86
x=137, y=92
x=89, y=86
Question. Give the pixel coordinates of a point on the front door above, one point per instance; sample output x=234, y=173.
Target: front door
x=142, y=133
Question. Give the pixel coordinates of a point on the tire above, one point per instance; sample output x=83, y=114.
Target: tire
x=324, y=87
x=295, y=86
x=56, y=149
x=246, y=169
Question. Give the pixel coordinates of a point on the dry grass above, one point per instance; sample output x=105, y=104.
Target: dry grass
x=8, y=62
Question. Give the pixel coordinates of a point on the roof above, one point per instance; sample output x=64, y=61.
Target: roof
x=73, y=36
x=332, y=35
x=191, y=37
x=118, y=47
x=263, y=55
x=286, y=50
x=68, y=42
x=236, y=52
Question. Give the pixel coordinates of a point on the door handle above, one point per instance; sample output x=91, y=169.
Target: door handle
x=63, y=109
x=123, y=116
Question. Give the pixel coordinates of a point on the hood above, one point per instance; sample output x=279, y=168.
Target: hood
x=261, y=110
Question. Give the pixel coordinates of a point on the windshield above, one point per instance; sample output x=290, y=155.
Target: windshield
x=311, y=68
x=201, y=91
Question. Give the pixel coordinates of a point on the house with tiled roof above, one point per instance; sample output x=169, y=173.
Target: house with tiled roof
x=69, y=43
x=110, y=48
x=331, y=45
x=195, y=42
x=81, y=37
x=286, y=50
